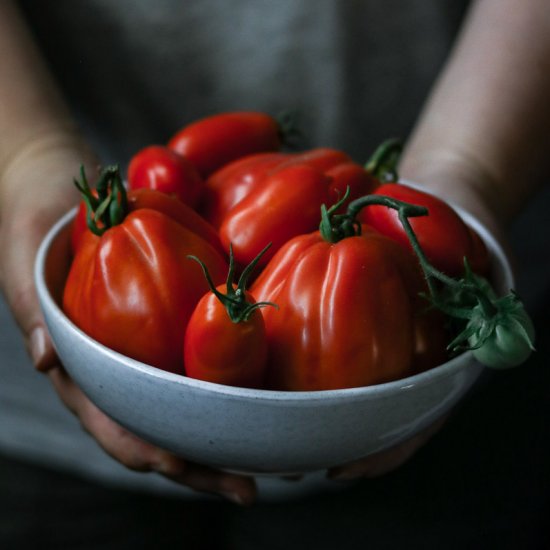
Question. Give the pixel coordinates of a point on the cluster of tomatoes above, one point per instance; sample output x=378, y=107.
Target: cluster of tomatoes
x=212, y=265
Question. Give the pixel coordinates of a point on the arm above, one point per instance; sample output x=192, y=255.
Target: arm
x=482, y=138
x=40, y=152
x=484, y=134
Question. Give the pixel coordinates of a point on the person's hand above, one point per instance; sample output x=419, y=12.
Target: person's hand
x=35, y=190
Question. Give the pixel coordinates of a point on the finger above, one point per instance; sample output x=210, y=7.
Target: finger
x=18, y=284
x=235, y=488
x=383, y=462
x=141, y=456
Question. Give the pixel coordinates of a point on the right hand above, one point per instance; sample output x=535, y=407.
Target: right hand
x=36, y=189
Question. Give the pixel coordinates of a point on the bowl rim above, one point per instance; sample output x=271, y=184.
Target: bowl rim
x=403, y=384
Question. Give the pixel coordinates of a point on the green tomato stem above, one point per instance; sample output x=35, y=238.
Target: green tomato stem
x=110, y=206
x=383, y=162
x=234, y=301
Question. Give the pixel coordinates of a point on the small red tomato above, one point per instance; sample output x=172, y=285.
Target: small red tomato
x=216, y=140
x=216, y=349
x=225, y=340
x=349, y=177
x=444, y=237
x=160, y=168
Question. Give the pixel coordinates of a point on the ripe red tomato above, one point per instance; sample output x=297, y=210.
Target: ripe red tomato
x=160, y=168
x=288, y=203
x=349, y=313
x=130, y=285
x=443, y=236
x=133, y=289
x=229, y=185
x=239, y=354
x=214, y=141
x=154, y=200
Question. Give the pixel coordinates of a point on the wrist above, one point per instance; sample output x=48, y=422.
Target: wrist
x=459, y=179
x=43, y=169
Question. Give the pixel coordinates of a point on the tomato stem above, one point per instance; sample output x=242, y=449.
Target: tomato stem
x=110, y=206
x=383, y=162
x=290, y=133
x=238, y=307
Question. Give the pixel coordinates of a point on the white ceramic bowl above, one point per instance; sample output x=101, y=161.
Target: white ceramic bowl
x=247, y=430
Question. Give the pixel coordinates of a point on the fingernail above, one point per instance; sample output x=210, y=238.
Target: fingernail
x=169, y=467
x=37, y=347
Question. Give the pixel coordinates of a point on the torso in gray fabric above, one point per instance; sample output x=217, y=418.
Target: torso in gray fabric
x=355, y=71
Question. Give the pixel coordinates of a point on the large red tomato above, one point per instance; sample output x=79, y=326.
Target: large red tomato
x=349, y=314
x=288, y=203
x=131, y=286
x=226, y=187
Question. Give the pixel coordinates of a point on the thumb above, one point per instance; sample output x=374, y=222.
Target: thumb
x=32, y=200
x=21, y=236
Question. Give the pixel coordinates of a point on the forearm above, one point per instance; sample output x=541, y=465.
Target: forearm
x=487, y=122
x=35, y=123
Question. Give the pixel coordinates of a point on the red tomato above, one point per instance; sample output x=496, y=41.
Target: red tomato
x=214, y=141
x=79, y=225
x=239, y=354
x=155, y=200
x=133, y=289
x=288, y=203
x=349, y=176
x=160, y=168
x=443, y=236
x=229, y=185
x=348, y=313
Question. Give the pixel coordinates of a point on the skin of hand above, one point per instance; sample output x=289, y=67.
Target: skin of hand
x=40, y=154
x=481, y=141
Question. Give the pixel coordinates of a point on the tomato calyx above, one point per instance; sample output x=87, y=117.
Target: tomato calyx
x=289, y=131
x=110, y=206
x=497, y=330
x=383, y=162
x=235, y=301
